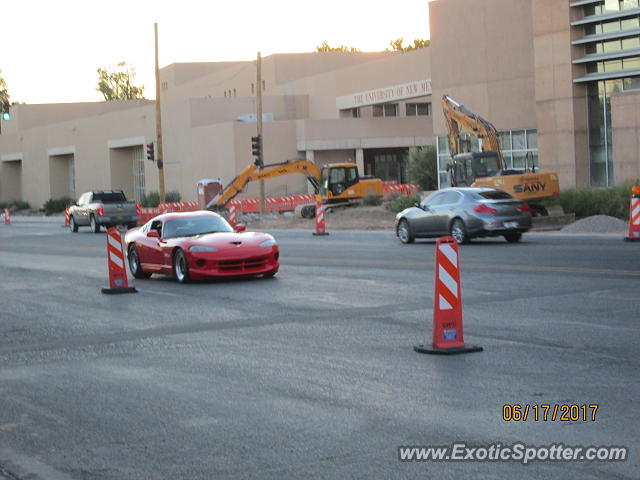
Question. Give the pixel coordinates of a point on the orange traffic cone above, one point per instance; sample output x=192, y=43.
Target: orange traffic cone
x=448, y=335
x=7, y=217
x=634, y=216
x=321, y=228
x=117, y=271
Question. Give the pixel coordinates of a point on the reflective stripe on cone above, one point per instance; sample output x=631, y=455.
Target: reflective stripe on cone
x=118, y=282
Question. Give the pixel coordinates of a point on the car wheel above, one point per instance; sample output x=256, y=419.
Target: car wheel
x=73, y=226
x=95, y=226
x=181, y=267
x=513, y=237
x=459, y=231
x=404, y=232
x=134, y=263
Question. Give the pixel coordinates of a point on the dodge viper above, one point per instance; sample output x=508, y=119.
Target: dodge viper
x=199, y=245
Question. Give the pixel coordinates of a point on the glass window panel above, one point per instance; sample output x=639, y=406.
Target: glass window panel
x=589, y=10
x=631, y=83
x=629, y=43
x=532, y=139
x=632, y=63
x=613, y=65
x=608, y=27
x=443, y=144
x=423, y=108
x=611, y=46
x=592, y=67
x=411, y=109
x=518, y=159
x=533, y=160
x=519, y=140
x=628, y=4
x=505, y=140
x=611, y=5
x=590, y=48
x=507, y=159
x=629, y=23
x=474, y=143
x=377, y=110
x=390, y=109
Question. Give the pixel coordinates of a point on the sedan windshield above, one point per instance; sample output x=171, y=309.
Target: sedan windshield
x=190, y=226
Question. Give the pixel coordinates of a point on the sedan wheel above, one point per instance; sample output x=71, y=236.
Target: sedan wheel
x=404, y=232
x=181, y=267
x=72, y=225
x=513, y=237
x=459, y=231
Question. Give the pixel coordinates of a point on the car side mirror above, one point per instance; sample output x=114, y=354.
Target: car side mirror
x=240, y=228
x=153, y=234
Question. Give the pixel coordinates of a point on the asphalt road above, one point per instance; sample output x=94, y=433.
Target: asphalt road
x=312, y=374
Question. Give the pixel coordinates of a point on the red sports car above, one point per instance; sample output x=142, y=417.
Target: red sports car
x=198, y=245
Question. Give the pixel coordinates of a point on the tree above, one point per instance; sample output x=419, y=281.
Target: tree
x=423, y=167
x=4, y=92
x=326, y=48
x=397, y=45
x=117, y=83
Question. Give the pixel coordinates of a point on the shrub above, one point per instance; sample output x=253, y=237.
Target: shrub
x=150, y=200
x=585, y=202
x=57, y=205
x=173, y=196
x=15, y=205
x=397, y=203
x=423, y=167
x=371, y=200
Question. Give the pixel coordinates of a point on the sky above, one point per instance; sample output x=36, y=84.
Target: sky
x=50, y=49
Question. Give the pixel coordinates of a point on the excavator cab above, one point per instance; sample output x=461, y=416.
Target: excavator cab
x=337, y=178
x=467, y=167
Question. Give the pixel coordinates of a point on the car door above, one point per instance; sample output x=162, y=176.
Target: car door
x=422, y=222
x=150, y=249
x=82, y=212
x=448, y=210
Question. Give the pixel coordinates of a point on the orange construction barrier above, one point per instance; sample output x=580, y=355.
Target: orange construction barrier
x=232, y=216
x=321, y=228
x=448, y=335
x=7, y=217
x=117, y=271
x=634, y=216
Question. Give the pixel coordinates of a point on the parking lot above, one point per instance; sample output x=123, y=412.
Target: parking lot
x=311, y=374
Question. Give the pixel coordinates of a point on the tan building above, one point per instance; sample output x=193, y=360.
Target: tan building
x=326, y=107
x=560, y=79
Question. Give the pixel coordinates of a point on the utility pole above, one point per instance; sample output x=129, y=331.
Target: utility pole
x=259, y=120
x=159, y=124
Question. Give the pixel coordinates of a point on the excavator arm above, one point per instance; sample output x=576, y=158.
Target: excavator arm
x=253, y=173
x=457, y=115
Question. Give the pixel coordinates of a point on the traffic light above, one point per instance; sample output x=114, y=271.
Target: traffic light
x=6, y=114
x=256, y=150
x=151, y=152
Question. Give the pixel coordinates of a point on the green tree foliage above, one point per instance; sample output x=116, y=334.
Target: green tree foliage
x=423, y=167
x=397, y=45
x=342, y=48
x=4, y=92
x=117, y=83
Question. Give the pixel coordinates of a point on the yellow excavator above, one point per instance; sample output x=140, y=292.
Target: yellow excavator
x=338, y=184
x=487, y=168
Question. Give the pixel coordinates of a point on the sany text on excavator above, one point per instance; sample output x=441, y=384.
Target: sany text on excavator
x=338, y=184
x=488, y=167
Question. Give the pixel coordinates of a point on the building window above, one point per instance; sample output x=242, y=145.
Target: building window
x=355, y=112
x=418, y=109
x=385, y=110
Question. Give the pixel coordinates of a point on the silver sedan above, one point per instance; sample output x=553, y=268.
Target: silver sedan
x=465, y=213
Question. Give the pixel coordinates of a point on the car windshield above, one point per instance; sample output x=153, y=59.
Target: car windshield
x=109, y=197
x=190, y=226
x=494, y=195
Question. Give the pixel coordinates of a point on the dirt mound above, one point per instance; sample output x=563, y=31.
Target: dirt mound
x=597, y=224
x=352, y=218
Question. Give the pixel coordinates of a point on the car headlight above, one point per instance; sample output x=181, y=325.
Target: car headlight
x=268, y=243
x=202, y=248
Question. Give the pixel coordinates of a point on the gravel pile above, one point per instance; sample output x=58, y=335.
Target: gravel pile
x=597, y=224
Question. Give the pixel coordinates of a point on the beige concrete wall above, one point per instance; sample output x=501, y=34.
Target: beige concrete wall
x=60, y=176
x=561, y=106
x=482, y=56
x=625, y=120
x=11, y=181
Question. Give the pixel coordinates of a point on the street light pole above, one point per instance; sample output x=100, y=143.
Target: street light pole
x=159, y=157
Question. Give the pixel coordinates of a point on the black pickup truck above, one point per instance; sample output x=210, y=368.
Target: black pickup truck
x=107, y=208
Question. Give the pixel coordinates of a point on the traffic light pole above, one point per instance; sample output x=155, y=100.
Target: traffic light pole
x=259, y=121
x=159, y=156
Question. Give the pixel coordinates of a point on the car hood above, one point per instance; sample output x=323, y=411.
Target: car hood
x=222, y=239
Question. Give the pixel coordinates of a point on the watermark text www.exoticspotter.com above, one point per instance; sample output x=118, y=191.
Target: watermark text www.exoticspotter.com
x=517, y=452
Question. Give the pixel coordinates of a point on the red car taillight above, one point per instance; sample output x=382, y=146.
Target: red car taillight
x=138, y=209
x=482, y=208
x=524, y=208
x=100, y=210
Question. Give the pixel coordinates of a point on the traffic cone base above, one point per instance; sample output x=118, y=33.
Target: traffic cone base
x=111, y=291
x=448, y=336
